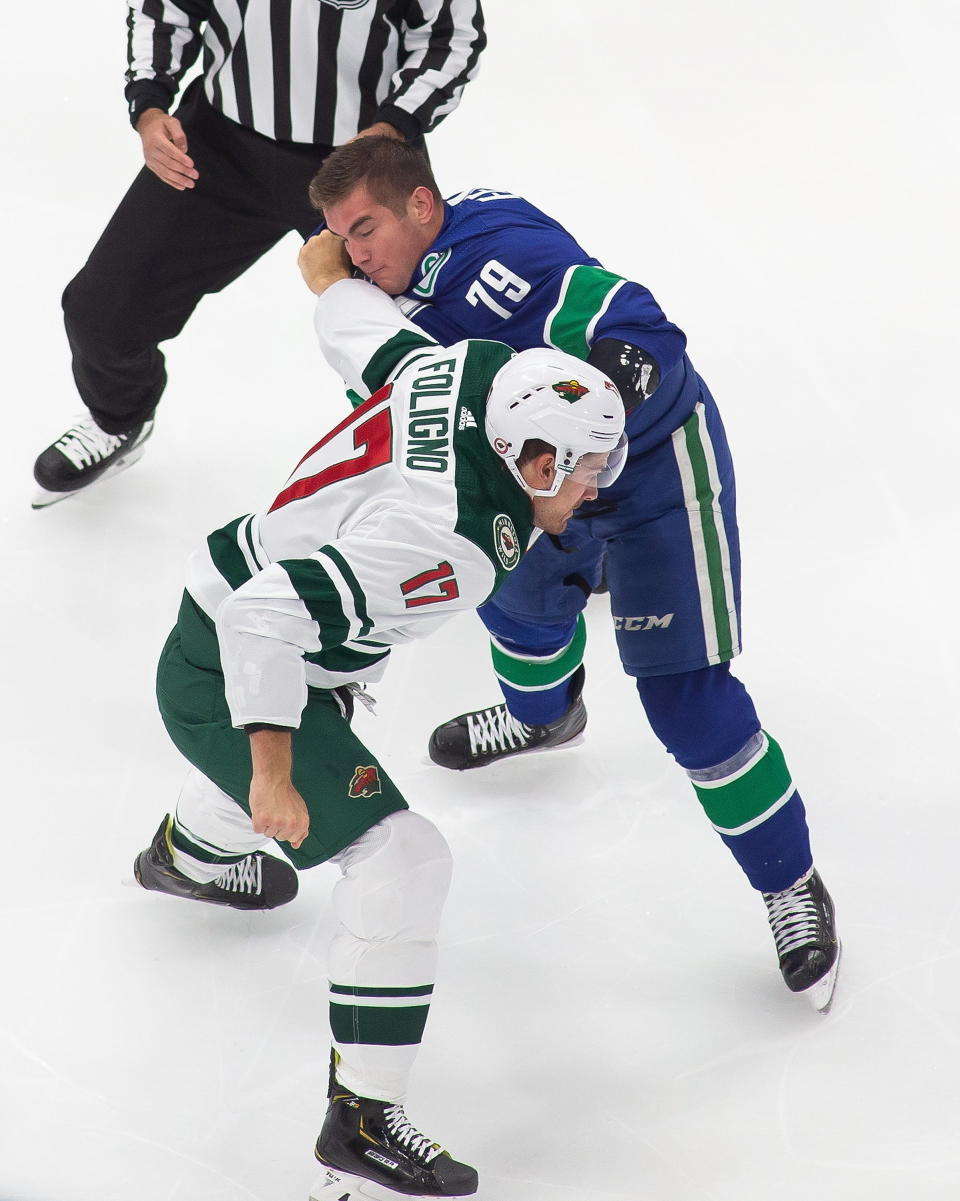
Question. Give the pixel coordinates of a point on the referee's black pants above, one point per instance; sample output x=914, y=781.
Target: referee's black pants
x=163, y=250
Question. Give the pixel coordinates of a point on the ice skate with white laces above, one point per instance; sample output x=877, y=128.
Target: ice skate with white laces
x=257, y=881
x=804, y=929
x=486, y=735
x=82, y=456
x=370, y=1151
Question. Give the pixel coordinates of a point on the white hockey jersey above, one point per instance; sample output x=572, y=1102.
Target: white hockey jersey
x=398, y=518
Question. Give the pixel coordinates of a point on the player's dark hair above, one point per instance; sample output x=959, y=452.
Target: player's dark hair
x=532, y=448
x=390, y=169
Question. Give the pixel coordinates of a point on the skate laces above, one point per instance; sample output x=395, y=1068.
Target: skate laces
x=496, y=729
x=794, y=915
x=245, y=876
x=408, y=1136
x=85, y=443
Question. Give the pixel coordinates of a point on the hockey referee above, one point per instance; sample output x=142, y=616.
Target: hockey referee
x=281, y=83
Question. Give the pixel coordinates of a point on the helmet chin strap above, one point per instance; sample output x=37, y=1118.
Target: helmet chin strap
x=552, y=483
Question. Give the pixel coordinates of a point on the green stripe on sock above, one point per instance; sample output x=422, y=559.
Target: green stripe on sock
x=535, y=675
x=387, y=1027
x=746, y=798
x=711, y=536
x=586, y=292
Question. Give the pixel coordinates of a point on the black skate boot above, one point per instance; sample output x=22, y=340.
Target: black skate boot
x=802, y=920
x=368, y=1149
x=258, y=881
x=477, y=738
x=84, y=454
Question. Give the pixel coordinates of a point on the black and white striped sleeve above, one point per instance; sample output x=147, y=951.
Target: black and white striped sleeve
x=441, y=45
x=163, y=41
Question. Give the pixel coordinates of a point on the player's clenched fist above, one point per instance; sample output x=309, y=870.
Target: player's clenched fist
x=279, y=811
x=323, y=260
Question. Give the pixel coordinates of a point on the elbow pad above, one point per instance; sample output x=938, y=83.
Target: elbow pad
x=633, y=370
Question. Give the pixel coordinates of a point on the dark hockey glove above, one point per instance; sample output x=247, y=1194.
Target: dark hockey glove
x=635, y=373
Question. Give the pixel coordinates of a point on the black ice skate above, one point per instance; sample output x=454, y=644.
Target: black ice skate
x=85, y=454
x=369, y=1150
x=802, y=920
x=258, y=881
x=477, y=738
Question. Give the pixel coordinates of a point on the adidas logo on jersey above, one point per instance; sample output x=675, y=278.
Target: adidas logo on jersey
x=466, y=420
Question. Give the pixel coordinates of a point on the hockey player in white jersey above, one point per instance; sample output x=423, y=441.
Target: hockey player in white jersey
x=413, y=508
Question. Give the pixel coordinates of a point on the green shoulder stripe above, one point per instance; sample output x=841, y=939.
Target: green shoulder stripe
x=585, y=294
x=385, y=359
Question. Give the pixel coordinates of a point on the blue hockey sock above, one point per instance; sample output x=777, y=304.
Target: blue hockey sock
x=536, y=680
x=708, y=722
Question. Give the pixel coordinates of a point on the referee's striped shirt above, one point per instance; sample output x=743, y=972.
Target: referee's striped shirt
x=314, y=71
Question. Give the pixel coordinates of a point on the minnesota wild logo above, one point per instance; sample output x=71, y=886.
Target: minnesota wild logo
x=505, y=541
x=570, y=390
x=429, y=270
x=365, y=782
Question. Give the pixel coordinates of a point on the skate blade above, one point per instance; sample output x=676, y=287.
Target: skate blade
x=43, y=498
x=334, y=1185
x=821, y=994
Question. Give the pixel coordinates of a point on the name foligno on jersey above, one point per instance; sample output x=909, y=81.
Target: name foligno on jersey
x=430, y=419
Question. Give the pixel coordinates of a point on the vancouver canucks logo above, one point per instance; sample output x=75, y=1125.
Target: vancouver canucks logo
x=429, y=270
x=365, y=782
x=505, y=541
x=570, y=389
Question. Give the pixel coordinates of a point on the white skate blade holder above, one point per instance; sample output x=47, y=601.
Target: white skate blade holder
x=334, y=1185
x=822, y=993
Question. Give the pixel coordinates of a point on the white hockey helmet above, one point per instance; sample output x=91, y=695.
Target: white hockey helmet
x=565, y=402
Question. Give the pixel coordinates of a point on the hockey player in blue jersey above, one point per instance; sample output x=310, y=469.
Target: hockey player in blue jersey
x=488, y=264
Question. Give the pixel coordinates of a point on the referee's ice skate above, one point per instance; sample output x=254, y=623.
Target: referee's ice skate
x=257, y=881
x=485, y=735
x=370, y=1152
x=804, y=930
x=83, y=455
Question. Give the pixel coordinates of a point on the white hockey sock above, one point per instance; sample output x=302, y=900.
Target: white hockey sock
x=383, y=957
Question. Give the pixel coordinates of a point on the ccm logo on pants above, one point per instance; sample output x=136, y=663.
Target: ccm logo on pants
x=642, y=623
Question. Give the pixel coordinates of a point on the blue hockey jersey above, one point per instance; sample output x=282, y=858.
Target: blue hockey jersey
x=502, y=269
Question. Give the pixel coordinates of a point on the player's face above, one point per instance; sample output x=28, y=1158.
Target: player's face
x=551, y=513
x=386, y=246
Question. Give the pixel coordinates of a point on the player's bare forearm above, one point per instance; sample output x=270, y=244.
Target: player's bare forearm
x=277, y=809
x=323, y=261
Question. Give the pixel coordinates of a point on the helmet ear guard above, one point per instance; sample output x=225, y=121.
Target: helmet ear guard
x=565, y=402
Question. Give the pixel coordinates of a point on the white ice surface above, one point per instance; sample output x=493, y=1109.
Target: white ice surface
x=609, y=1022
